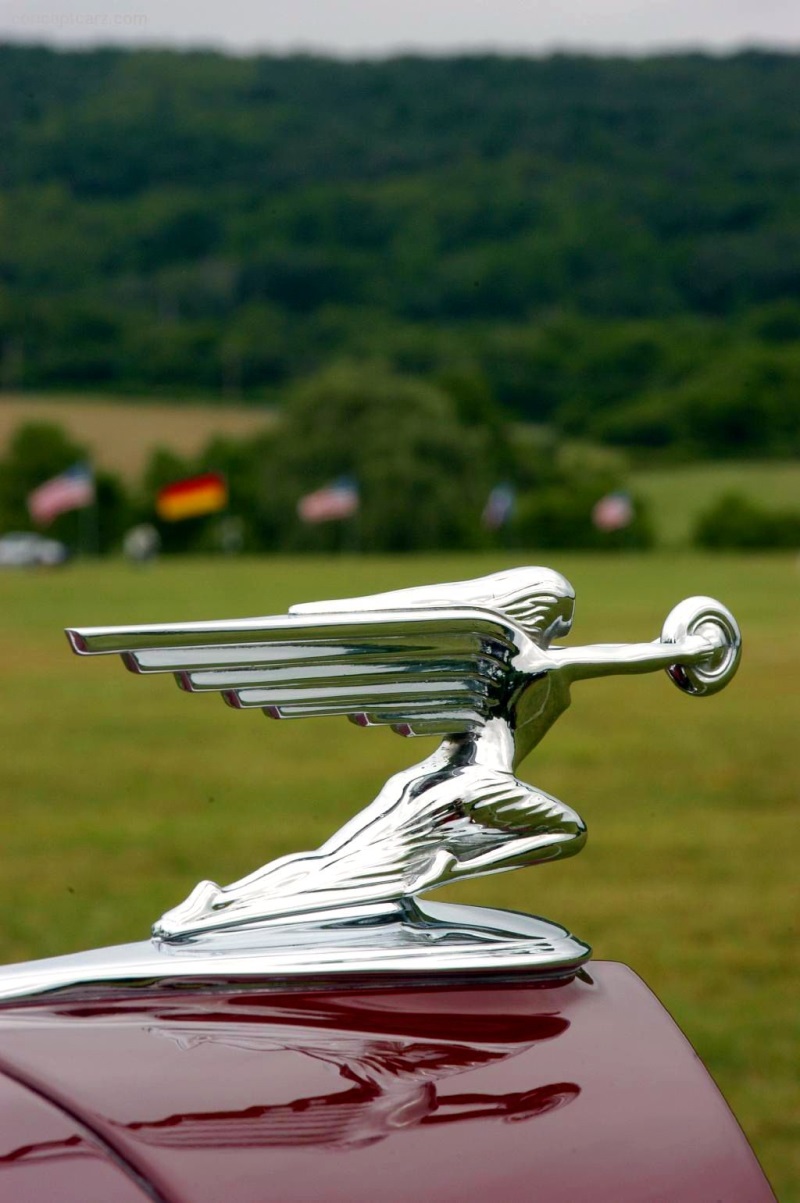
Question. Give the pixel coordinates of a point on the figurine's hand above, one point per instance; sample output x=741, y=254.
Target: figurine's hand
x=708, y=619
x=700, y=647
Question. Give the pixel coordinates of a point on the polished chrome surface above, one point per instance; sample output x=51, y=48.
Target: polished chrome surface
x=471, y=661
x=706, y=618
x=411, y=938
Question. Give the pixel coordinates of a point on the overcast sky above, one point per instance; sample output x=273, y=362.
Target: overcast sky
x=385, y=26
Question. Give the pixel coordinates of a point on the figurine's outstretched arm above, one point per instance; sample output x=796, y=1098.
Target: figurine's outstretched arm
x=613, y=659
x=699, y=647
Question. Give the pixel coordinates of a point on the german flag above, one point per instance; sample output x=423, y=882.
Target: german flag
x=205, y=494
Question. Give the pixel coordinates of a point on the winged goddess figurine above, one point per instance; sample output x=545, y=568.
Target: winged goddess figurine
x=472, y=661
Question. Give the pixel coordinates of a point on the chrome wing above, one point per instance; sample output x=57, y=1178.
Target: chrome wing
x=420, y=671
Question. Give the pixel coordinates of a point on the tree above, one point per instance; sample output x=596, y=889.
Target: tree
x=422, y=474
x=37, y=451
x=735, y=523
x=560, y=516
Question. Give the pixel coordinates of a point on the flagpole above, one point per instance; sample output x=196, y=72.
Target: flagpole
x=95, y=525
x=88, y=529
x=355, y=532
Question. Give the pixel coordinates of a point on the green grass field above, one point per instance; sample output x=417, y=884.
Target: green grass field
x=119, y=792
x=678, y=495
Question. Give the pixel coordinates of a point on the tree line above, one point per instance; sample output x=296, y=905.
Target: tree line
x=610, y=247
x=424, y=461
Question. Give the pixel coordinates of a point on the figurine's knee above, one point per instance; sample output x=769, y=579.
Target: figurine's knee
x=578, y=839
x=573, y=827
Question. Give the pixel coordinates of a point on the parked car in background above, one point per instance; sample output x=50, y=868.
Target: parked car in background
x=23, y=549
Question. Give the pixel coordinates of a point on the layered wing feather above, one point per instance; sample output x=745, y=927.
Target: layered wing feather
x=419, y=671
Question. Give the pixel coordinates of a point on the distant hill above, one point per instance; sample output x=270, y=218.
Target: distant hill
x=611, y=245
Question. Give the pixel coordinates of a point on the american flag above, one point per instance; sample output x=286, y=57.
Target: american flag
x=613, y=512
x=71, y=490
x=337, y=500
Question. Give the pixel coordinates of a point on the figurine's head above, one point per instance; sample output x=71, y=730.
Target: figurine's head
x=539, y=600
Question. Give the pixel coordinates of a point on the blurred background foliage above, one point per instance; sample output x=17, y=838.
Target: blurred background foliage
x=611, y=246
x=423, y=470
x=441, y=274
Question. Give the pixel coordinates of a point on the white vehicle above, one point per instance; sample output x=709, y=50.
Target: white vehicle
x=18, y=549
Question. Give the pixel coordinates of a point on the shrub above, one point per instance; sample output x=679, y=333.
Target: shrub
x=735, y=522
x=560, y=517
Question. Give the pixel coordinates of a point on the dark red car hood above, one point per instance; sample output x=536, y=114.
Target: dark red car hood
x=561, y=1092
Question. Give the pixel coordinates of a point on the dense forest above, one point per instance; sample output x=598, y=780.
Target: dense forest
x=607, y=246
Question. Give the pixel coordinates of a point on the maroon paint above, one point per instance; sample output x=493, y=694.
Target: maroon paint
x=555, y=1092
x=45, y=1155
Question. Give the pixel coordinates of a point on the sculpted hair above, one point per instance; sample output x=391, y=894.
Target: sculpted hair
x=538, y=600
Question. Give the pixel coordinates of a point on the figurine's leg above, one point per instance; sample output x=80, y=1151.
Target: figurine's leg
x=509, y=826
x=529, y=826
x=553, y=844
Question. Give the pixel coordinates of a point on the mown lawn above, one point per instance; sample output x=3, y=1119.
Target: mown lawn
x=677, y=496
x=119, y=793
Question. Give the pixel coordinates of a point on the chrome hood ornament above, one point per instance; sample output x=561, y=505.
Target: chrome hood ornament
x=473, y=662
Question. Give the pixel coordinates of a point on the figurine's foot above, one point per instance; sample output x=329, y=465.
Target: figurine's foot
x=206, y=899
x=440, y=868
